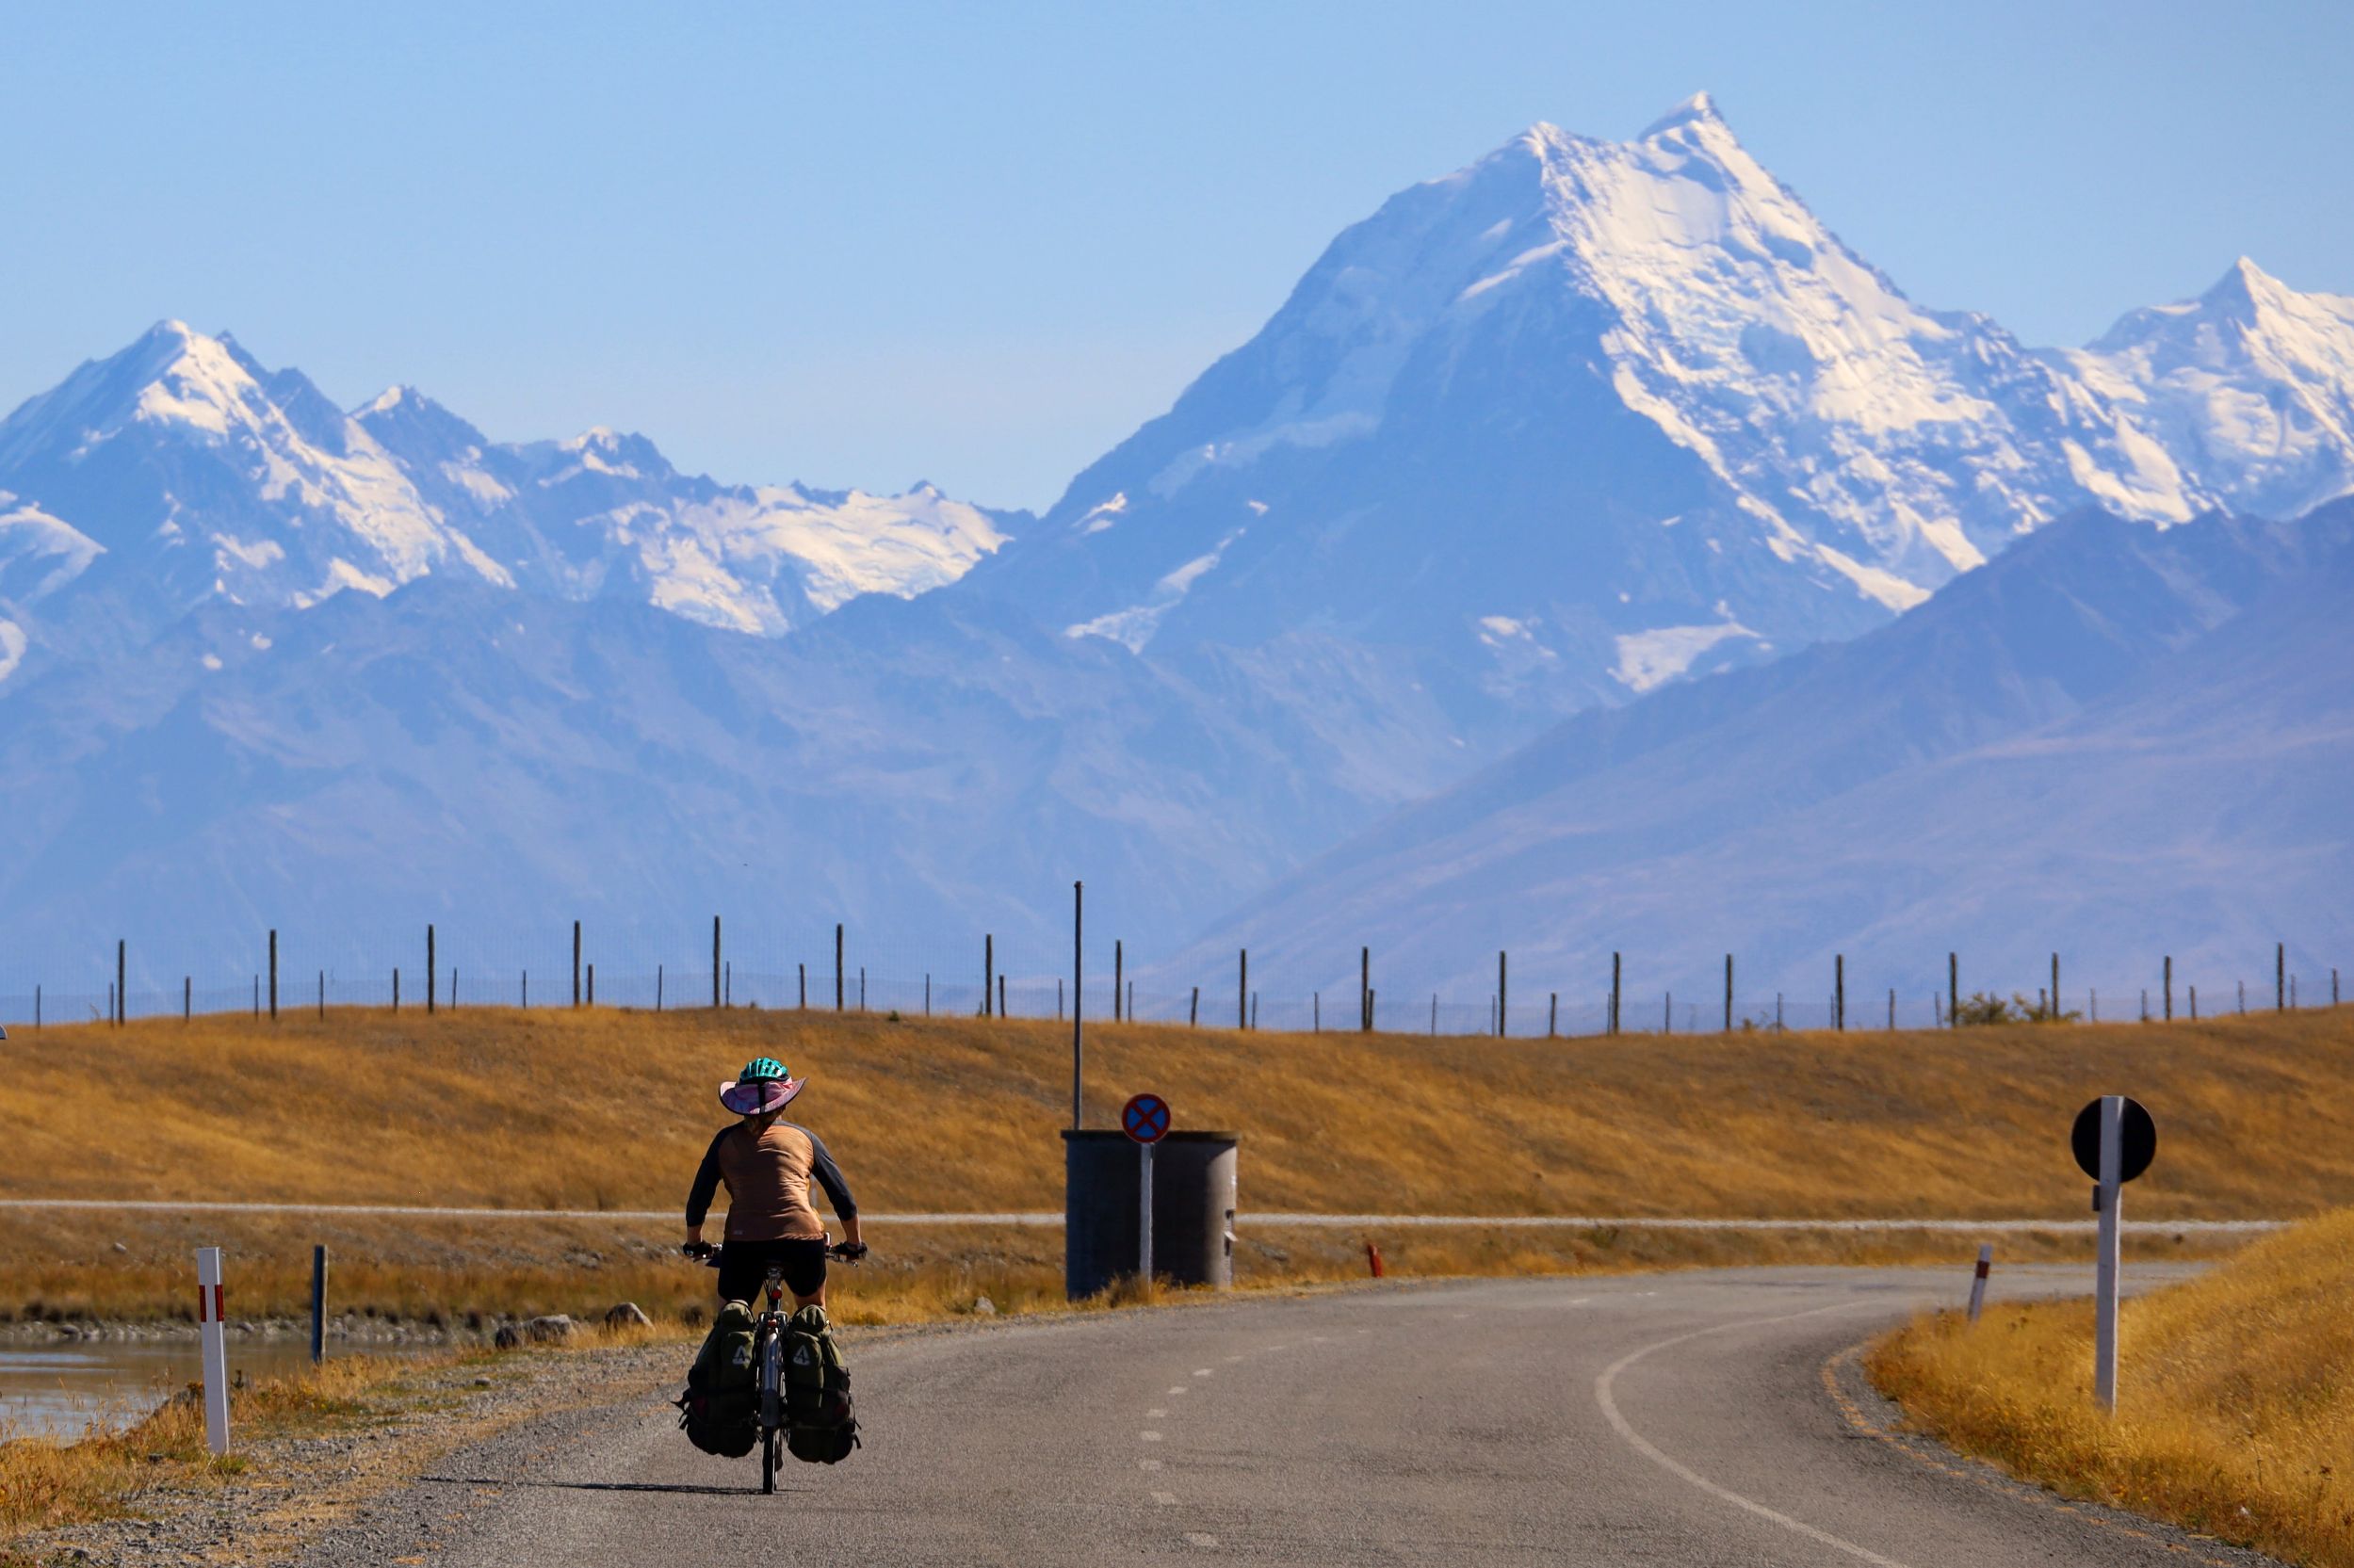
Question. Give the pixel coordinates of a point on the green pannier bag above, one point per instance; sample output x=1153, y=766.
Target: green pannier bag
x=819, y=1427
x=720, y=1412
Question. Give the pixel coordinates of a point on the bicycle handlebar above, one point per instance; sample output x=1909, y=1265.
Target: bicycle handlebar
x=708, y=1255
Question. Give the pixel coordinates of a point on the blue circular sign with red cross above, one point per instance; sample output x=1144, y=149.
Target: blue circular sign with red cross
x=1145, y=1119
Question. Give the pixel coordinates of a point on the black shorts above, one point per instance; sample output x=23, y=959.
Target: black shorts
x=744, y=1268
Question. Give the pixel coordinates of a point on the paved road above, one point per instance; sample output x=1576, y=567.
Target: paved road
x=1703, y=1419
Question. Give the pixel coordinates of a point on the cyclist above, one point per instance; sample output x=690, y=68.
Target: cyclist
x=767, y=1164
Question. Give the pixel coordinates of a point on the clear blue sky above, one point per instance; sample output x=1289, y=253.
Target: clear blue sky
x=979, y=244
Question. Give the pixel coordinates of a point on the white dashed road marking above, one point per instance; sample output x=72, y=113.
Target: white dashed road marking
x=1148, y=1436
x=1166, y=1499
x=1198, y=1538
x=1148, y=1464
x=1155, y=1415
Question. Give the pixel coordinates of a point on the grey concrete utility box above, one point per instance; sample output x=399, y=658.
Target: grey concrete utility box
x=1193, y=1209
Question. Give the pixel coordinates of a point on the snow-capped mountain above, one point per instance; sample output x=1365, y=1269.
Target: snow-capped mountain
x=1587, y=417
x=2248, y=389
x=1559, y=434
x=604, y=512
x=195, y=472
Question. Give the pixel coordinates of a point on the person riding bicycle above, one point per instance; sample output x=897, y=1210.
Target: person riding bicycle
x=767, y=1164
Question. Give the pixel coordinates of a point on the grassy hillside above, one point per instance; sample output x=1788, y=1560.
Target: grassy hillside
x=604, y=1109
x=2235, y=1401
x=600, y=1110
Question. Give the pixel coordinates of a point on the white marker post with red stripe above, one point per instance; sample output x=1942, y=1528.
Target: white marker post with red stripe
x=212, y=1337
x=1979, y=1281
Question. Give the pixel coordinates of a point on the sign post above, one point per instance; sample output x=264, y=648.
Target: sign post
x=214, y=1346
x=2114, y=1141
x=1145, y=1118
x=1978, y=1280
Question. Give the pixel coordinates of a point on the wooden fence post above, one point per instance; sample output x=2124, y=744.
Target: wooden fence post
x=1119, y=986
x=2169, y=1015
x=273, y=973
x=1242, y=991
x=431, y=972
x=1364, y=990
x=2279, y=977
x=988, y=970
x=1952, y=991
x=837, y=966
x=1502, y=1026
x=718, y=995
x=1838, y=989
x=1613, y=994
x=1729, y=994
x=1552, y=1014
x=575, y=963
x=1193, y=1010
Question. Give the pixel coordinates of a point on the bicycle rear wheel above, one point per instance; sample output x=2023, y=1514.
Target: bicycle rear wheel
x=767, y=1459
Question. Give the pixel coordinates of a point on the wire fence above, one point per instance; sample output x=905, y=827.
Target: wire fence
x=836, y=969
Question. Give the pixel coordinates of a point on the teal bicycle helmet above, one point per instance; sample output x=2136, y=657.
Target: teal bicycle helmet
x=764, y=1085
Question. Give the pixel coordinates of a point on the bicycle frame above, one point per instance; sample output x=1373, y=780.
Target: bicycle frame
x=767, y=1342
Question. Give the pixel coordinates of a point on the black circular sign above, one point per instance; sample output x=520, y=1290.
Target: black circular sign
x=2140, y=1137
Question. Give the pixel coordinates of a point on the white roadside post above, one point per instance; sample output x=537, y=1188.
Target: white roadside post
x=1978, y=1279
x=2114, y=1141
x=2108, y=1196
x=213, y=1341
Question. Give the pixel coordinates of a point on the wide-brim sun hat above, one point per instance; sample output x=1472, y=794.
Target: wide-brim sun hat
x=760, y=1095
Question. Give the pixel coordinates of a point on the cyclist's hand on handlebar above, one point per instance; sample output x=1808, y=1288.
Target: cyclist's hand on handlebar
x=849, y=1251
x=700, y=1250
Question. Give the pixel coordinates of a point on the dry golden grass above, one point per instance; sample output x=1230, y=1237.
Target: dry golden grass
x=45, y=1482
x=2236, y=1396
x=600, y=1110
x=605, y=1110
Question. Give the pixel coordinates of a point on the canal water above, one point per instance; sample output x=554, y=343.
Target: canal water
x=63, y=1390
